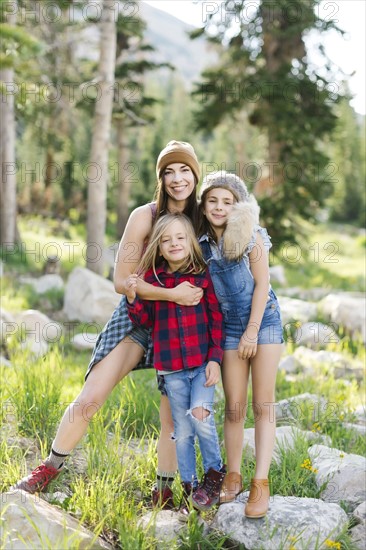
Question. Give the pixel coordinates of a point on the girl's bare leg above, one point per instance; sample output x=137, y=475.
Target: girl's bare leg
x=235, y=374
x=264, y=369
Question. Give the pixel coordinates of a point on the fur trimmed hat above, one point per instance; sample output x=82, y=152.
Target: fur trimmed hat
x=178, y=151
x=225, y=180
x=242, y=219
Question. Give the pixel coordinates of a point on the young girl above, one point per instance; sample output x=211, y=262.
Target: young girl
x=236, y=250
x=121, y=346
x=187, y=342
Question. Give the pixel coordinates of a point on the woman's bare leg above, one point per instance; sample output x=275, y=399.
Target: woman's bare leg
x=102, y=379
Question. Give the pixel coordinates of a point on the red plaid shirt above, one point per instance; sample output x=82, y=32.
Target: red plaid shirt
x=183, y=336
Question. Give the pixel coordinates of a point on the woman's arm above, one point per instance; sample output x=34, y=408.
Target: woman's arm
x=258, y=258
x=129, y=254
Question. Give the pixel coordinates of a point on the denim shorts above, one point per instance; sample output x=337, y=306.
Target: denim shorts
x=161, y=384
x=140, y=336
x=270, y=332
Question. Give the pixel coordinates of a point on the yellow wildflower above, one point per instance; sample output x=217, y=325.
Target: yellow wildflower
x=333, y=544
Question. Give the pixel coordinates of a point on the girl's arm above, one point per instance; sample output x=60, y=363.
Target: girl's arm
x=129, y=254
x=258, y=259
x=139, y=311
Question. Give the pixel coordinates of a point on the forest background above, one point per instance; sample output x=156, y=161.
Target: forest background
x=260, y=108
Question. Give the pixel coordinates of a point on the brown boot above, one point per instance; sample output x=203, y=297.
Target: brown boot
x=258, y=501
x=231, y=487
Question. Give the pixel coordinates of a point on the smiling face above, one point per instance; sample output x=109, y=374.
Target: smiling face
x=179, y=183
x=174, y=245
x=218, y=203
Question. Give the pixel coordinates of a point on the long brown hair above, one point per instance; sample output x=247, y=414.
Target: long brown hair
x=194, y=263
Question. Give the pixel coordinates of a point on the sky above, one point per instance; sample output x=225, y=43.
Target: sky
x=347, y=52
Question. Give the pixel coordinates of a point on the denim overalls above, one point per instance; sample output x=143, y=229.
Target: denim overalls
x=234, y=287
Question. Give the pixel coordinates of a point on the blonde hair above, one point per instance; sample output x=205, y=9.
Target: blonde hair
x=194, y=263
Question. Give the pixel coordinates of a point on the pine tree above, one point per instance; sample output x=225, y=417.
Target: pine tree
x=264, y=69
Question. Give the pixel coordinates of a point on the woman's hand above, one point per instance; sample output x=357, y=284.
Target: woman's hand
x=212, y=373
x=248, y=343
x=131, y=285
x=186, y=294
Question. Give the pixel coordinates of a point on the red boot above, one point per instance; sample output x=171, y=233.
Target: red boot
x=208, y=492
x=163, y=498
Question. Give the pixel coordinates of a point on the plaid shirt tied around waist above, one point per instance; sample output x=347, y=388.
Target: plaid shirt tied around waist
x=183, y=337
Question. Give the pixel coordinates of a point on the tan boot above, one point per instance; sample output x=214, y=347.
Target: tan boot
x=258, y=501
x=231, y=487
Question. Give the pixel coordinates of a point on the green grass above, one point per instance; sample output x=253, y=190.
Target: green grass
x=332, y=258
x=112, y=491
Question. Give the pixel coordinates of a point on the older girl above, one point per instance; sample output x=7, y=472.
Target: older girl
x=236, y=250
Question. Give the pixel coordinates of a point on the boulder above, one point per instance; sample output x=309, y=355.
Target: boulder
x=84, y=341
x=89, y=297
x=30, y=522
x=285, y=439
x=293, y=310
x=37, y=327
x=295, y=407
x=290, y=522
x=315, y=334
x=4, y=361
x=338, y=364
x=347, y=309
x=358, y=537
x=8, y=325
x=277, y=275
x=359, y=428
x=290, y=364
x=44, y=284
x=360, y=513
x=345, y=474
x=164, y=525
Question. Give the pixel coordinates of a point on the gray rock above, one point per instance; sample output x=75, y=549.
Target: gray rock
x=89, y=297
x=290, y=364
x=315, y=334
x=164, y=526
x=358, y=536
x=277, y=275
x=5, y=362
x=359, y=428
x=293, y=310
x=307, y=519
x=84, y=341
x=338, y=364
x=44, y=284
x=347, y=309
x=8, y=325
x=29, y=522
x=295, y=407
x=285, y=439
x=360, y=512
x=360, y=413
x=37, y=327
x=345, y=474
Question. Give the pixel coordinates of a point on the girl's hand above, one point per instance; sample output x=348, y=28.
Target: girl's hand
x=248, y=343
x=212, y=373
x=131, y=285
x=185, y=294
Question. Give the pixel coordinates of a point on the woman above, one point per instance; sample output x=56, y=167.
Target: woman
x=121, y=345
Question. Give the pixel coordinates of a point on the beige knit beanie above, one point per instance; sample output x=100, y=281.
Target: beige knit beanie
x=178, y=151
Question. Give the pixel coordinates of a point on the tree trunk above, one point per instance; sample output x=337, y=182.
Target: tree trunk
x=98, y=168
x=124, y=182
x=8, y=198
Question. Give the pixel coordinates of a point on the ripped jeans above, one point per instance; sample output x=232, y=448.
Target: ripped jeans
x=186, y=392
